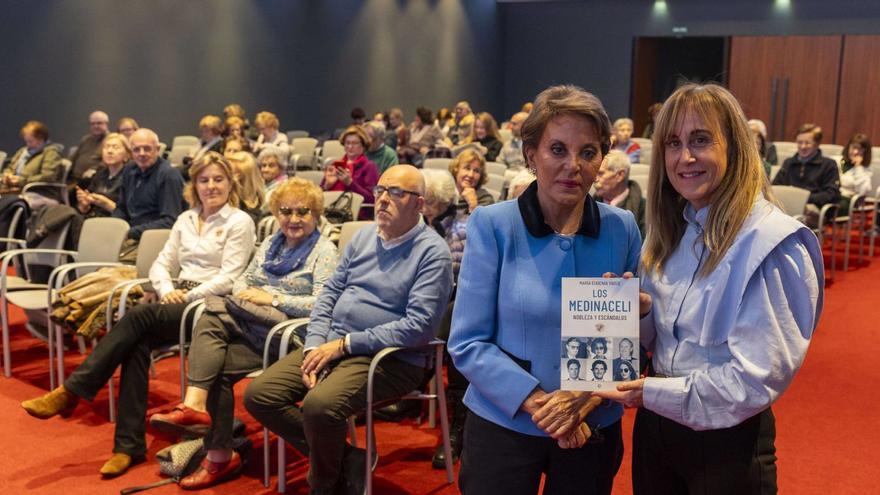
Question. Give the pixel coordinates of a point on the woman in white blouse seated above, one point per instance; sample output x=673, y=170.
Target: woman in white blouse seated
x=282, y=282
x=211, y=244
x=856, y=176
x=736, y=287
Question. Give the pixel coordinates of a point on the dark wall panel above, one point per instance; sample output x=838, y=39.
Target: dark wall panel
x=590, y=43
x=168, y=62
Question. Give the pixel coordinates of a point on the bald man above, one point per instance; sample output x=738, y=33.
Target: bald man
x=87, y=157
x=151, y=196
x=390, y=290
x=511, y=154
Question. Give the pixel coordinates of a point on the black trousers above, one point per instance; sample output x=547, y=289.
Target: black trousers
x=498, y=460
x=219, y=357
x=142, y=329
x=320, y=426
x=670, y=458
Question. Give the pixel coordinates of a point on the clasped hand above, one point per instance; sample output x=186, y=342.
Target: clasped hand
x=561, y=415
x=317, y=359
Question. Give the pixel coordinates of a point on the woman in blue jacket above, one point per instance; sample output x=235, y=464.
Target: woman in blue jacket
x=506, y=323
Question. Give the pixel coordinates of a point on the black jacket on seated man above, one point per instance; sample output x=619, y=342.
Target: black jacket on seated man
x=150, y=199
x=818, y=174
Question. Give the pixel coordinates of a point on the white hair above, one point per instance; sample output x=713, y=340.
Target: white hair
x=523, y=178
x=276, y=152
x=617, y=160
x=762, y=128
x=623, y=120
x=440, y=187
x=375, y=129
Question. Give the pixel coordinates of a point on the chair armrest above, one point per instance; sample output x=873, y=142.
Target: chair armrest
x=13, y=240
x=7, y=256
x=287, y=328
x=32, y=185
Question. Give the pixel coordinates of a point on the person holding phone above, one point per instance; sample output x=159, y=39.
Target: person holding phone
x=99, y=199
x=353, y=172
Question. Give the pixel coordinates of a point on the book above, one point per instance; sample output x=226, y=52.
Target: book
x=599, y=344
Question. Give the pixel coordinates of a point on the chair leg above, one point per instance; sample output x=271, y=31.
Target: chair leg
x=7, y=355
x=59, y=348
x=266, y=457
x=444, y=414
x=282, y=465
x=848, y=233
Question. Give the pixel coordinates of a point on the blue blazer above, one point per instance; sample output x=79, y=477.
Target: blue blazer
x=506, y=322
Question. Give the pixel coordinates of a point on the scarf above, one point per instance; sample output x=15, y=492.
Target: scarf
x=281, y=261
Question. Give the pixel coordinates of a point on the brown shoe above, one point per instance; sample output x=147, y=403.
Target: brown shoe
x=210, y=474
x=182, y=421
x=58, y=401
x=118, y=464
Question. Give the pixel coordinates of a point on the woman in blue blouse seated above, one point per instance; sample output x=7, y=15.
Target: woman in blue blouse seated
x=287, y=273
x=506, y=323
x=737, y=288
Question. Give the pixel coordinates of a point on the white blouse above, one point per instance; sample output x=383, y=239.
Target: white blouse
x=214, y=257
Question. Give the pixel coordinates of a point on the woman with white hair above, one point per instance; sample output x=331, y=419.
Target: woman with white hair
x=767, y=149
x=620, y=139
x=273, y=168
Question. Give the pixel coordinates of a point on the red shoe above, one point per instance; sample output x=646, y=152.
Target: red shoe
x=210, y=474
x=182, y=421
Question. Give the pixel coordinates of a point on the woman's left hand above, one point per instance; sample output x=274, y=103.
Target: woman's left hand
x=562, y=411
x=628, y=393
x=177, y=296
x=344, y=175
x=256, y=296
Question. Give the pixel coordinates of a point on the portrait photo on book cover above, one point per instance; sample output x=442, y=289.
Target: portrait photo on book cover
x=597, y=362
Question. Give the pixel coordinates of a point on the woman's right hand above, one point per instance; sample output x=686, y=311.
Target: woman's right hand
x=561, y=411
x=470, y=196
x=177, y=296
x=644, y=298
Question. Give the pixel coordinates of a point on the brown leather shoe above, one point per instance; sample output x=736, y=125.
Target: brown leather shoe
x=182, y=421
x=210, y=474
x=58, y=401
x=118, y=464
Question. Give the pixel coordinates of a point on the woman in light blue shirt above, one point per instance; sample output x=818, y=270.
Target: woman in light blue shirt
x=506, y=322
x=737, y=289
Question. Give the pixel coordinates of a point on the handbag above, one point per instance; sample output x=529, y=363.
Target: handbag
x=339, y=211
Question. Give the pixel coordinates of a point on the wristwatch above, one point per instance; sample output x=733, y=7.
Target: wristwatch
x=275, y=301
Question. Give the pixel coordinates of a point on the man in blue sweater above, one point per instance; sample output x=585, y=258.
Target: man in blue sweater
x=390, y=289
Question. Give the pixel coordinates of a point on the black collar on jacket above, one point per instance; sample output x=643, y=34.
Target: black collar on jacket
x=530, y=209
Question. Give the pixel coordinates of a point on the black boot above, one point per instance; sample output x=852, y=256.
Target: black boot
x=456, y=431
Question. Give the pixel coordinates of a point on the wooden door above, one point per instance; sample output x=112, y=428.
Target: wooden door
x=809, y=92
x=754, y=73
x=858, y=110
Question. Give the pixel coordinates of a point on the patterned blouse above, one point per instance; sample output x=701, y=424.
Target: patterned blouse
x=296, y=292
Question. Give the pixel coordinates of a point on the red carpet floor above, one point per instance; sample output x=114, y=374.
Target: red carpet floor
x=826, y=422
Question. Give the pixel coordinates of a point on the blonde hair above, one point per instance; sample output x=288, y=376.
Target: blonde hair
x=250, y=184
x=467, y=156
x=298, y=189
x=267, y=119
x=208, y=159
x=488, y=123
x=358, y=131
x=730, y=203
x=212, y=122
x=123, y=140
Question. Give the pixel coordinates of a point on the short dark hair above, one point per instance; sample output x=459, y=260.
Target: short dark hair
x=862, y=141
x=571, y=362
x=597, y=363
x=814, y=129
x=358, y=113
x=425, y=115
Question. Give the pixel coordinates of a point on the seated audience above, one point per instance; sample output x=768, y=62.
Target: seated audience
x=857, y=173
x=237, y=111
x=511, y=153
x=444, y=121
x=210, y=244
x=273, y=168
x=39, y=160
x=469, y=170
x=423, y=137
x=353, y=172
x=761, y=144
x=519, y=183
x=366, y=306
x=268, y=125
x=808, y=169
x=441, y=213
x=252, y=198
x=767, y=149
x=653, y=110
x=621, y=139
x=126, y=126
x=234, y=144
x=614, y=187
x=462, y=124
x=211, y=139
x=151, y=196
x=99, y=198
x=485, y=132
x=397, y=134
x=527, y=107
x=87, y=158
x=378, y=152
x=358, y=116
x=282, y=281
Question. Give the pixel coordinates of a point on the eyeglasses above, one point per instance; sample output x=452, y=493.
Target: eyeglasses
x=302, y=212
x=395, y=191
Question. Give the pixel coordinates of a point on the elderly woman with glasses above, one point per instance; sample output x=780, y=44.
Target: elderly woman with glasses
x=354, y=172
x=283, y=279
